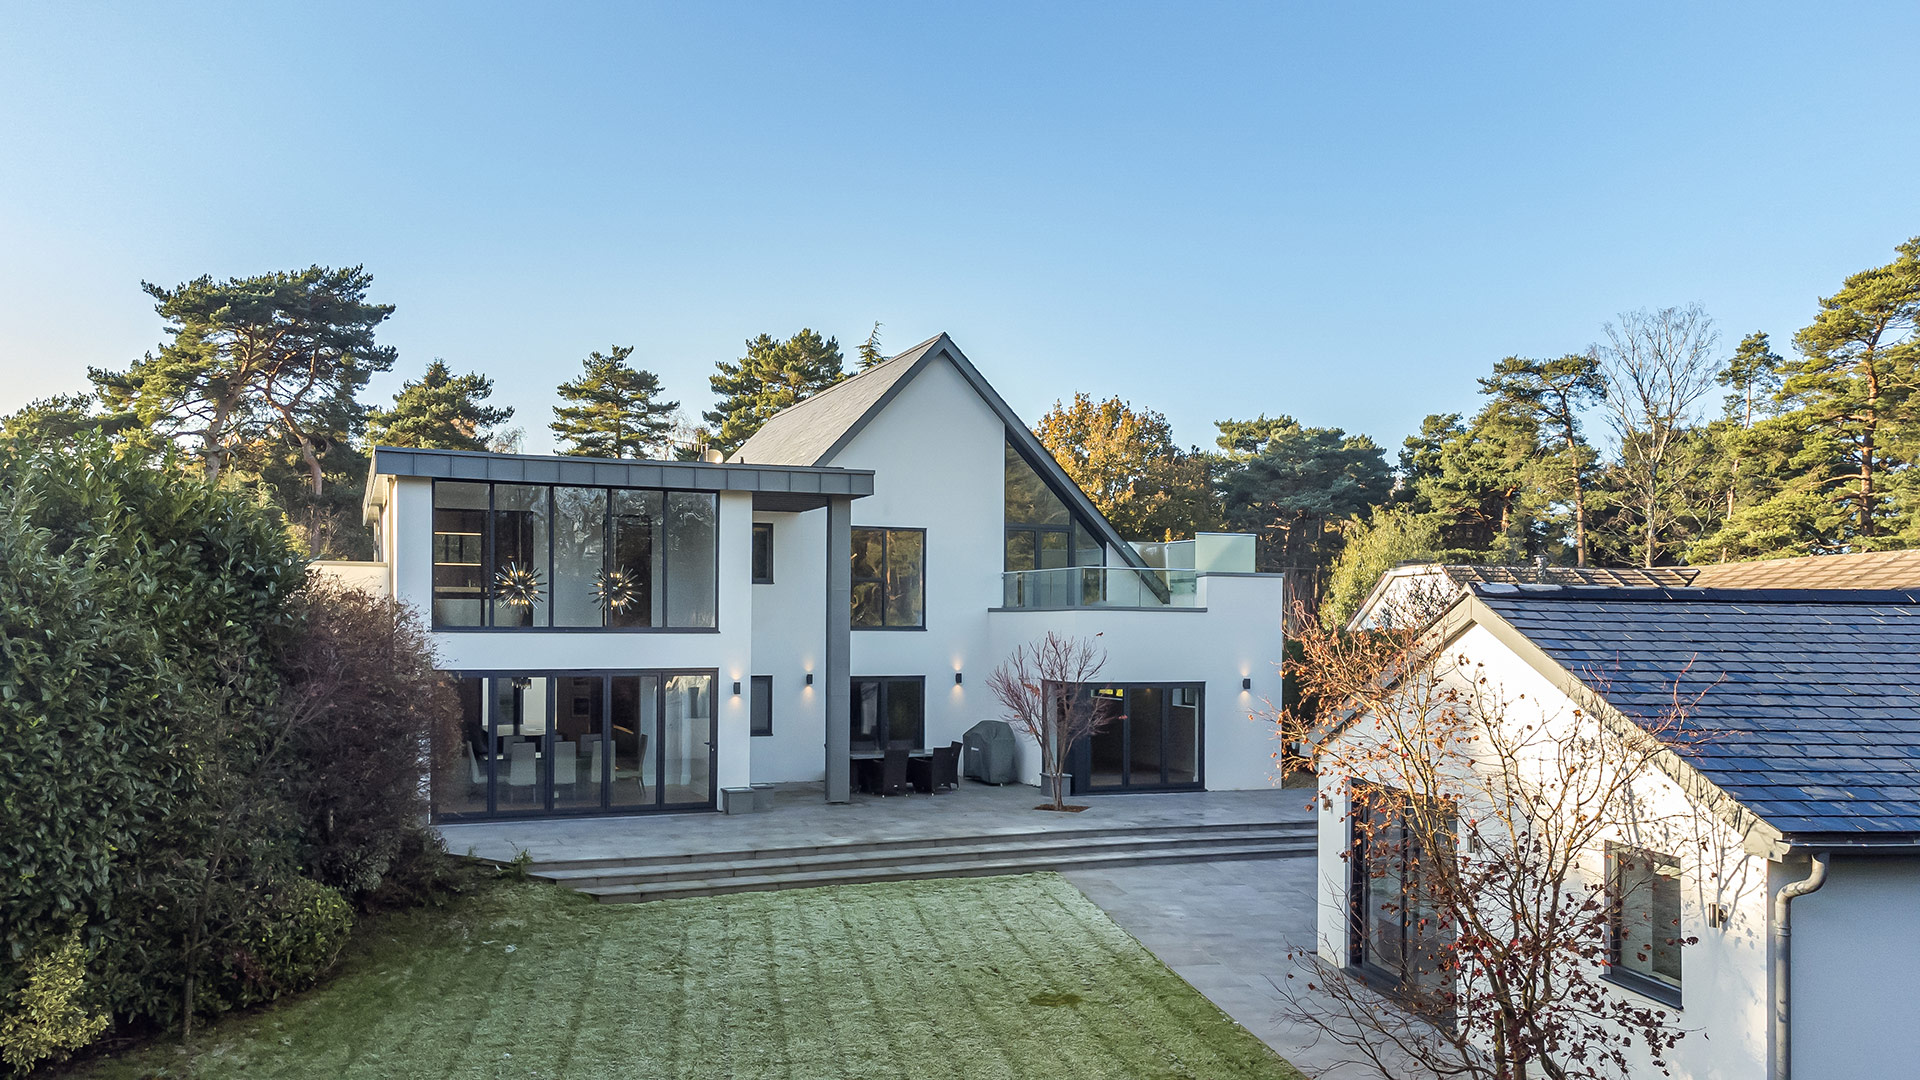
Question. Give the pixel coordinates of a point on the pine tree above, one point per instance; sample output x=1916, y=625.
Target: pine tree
x=1551, y=394
x=870, y=354
x=255, y=364
x=613, y=410
x=770, y=377
x=442, y=411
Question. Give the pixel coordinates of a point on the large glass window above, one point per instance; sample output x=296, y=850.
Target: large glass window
x=762, y=705
x=1042, y=533
x=889, y=712
x=889, y=579
x=1152, y=739
x=1643, y=890
x=459, y=554
x=572, y=743
x=530, y=555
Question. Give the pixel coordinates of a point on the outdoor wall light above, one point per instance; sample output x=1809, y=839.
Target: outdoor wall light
x=809, y=678
x=956, y=678
x=1245, y=684
x=736, y=688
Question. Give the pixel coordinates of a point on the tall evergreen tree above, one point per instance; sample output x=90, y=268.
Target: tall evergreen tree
x=1552, y=394
x=253, y=361
x=613, y=410
x=1293, y=485
x=442, y=411
x=1854, y=383
x=771, y=376
x=870, y=354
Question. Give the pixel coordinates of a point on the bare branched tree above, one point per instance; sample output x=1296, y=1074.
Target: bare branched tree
x=1044, y=689
x=1658, y=366
x=1476, y=818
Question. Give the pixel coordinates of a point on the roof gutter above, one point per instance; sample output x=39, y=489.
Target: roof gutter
x=1783, y=962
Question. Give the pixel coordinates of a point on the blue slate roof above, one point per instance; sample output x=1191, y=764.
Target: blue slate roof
x=1809, y=700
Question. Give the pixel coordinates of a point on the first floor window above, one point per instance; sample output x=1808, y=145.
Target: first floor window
x=762, y=705
x=889, y=713
x=889, y=579
x=1643, y=895
x=762, y=553
x=1399, y=935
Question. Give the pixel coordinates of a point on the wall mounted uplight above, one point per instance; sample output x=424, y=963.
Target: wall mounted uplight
x=956, y=678
x=1245, y=684
x=809, y=678
x=736, y=688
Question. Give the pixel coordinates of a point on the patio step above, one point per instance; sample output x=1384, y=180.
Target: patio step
x=952, y=857
x=545, y=867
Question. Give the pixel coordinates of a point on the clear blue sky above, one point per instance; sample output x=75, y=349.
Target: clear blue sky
x=1341, y=212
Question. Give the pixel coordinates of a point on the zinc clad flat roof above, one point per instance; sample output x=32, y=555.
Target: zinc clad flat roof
x=608, y=472
x=1807, y=703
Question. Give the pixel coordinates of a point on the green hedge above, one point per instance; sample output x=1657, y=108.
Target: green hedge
x=155, y=804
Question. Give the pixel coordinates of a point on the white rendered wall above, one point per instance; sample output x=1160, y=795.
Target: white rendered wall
x=727, y=649
x=938, y=456
x=1725, y=1005
x=1237, y=636
x=1856, y=970
x=789, y=641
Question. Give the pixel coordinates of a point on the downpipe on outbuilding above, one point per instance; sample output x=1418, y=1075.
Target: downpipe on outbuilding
x=1783, y=961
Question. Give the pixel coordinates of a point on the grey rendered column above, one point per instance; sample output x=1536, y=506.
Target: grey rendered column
x=839, y=634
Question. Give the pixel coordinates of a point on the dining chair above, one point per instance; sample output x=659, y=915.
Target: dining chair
x=523, y=768
x=893, y=772
x=566, y=767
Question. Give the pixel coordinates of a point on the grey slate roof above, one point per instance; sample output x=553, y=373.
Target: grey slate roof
x=1809, y=700
x=811, y=432
x=1861, y=570
x=808, y=432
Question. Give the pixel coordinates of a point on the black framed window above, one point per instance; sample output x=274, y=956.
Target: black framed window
x=889, y=712
x=762, y=553
x=1398, y=935
x=1644, y=939
x=1042, y=532
x=539, y=556
x=889, y=579
x=762, y=706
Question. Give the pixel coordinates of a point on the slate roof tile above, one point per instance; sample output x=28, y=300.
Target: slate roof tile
x=1808, y=702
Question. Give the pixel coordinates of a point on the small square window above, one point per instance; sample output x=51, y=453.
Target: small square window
x=1643, y=893
x=762, y=705
x=762, y=553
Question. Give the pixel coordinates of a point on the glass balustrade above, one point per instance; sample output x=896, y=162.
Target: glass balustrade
x=1099, y=586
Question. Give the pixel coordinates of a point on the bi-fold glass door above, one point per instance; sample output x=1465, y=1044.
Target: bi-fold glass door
x=556, y=744
x=1152, y=741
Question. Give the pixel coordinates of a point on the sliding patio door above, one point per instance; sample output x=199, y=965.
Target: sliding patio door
x=571, y=744
x=1152, y=741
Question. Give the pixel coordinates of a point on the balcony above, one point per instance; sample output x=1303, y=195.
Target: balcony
x=1099, y=587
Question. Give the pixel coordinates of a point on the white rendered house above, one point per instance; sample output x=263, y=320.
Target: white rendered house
x=646, y=635
x=1784, y=843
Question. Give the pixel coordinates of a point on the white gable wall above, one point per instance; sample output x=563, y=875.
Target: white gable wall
x=938, y=457
x=1725, y=1006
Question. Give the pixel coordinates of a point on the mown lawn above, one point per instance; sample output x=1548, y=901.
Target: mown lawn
x=979, y=978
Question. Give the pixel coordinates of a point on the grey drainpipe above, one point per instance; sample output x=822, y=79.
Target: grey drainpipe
x=1783, y=960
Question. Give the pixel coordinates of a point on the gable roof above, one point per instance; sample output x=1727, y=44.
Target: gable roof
x=1452, y=579
x=811, y=432
x=1808, y=702
x=1863, y=570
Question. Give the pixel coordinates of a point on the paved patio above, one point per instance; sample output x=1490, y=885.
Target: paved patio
x=1226, y=928
x=801, y=817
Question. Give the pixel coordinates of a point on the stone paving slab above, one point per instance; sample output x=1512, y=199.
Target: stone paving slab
x=800, y=817
x=1226, y=928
